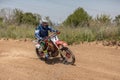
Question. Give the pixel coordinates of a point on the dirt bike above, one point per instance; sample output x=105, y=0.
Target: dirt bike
x=53, y=46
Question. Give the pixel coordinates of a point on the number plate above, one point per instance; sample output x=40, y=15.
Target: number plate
x=54, y=39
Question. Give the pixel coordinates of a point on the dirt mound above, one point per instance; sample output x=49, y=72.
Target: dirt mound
x=18, y=61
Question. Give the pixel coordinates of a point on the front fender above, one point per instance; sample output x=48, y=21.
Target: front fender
x=61, y=43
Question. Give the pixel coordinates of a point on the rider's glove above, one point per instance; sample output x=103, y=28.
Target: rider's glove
x=58, y=32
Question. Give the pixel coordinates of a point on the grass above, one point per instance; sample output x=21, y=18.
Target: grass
x=16, y=32
x=70, y=35
x=81, y=34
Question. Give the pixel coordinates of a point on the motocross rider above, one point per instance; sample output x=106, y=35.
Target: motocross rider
x=41, y=32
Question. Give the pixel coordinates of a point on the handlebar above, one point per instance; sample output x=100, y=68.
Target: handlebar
x=51, y=35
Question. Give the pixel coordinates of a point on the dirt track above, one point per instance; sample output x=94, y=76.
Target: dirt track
x=18, y=61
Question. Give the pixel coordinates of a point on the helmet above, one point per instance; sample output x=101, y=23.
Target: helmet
x=44, y=20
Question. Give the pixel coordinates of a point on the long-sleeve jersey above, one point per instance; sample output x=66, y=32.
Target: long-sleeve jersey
x=42, y=32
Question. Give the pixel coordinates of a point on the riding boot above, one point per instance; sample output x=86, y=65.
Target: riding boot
x=46, y=56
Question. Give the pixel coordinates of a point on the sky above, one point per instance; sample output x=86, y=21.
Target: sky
x=59, y=10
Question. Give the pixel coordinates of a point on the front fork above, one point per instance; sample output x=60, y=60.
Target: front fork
x=60, y=52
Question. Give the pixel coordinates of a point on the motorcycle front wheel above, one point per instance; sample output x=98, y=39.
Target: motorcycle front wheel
x=68, y=56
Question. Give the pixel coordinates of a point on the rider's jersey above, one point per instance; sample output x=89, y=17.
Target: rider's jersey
x=41, y=32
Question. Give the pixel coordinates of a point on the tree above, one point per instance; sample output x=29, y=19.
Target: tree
x=7, y=15
x=38, y=17
x=103, y=19
x=117, y=20
x=79, y=18
x=18, y=15
x=26, y=18
x=29, y=18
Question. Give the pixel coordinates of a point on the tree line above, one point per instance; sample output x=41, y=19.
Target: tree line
x=17, y=16
x=79, y=18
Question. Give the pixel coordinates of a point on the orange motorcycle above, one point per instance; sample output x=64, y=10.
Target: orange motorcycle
x=53, y=46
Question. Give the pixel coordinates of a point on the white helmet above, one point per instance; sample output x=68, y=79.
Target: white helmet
x=44, y=20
